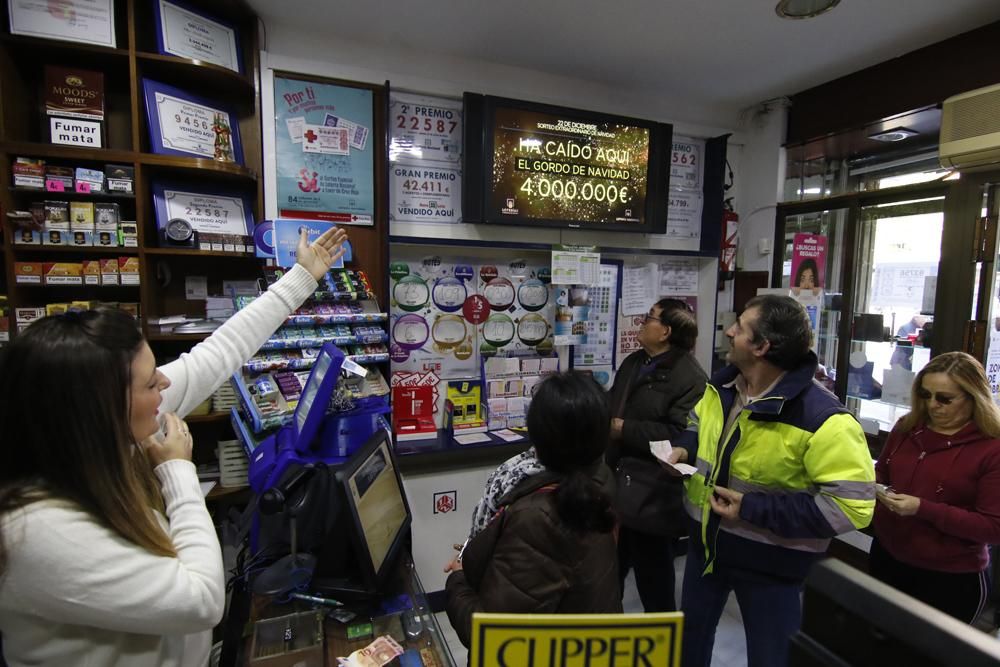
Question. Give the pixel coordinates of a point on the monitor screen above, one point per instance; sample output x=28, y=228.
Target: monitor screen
x=553, y=166
x=377, y=503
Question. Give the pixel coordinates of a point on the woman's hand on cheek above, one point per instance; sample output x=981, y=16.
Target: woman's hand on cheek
x=175, y=444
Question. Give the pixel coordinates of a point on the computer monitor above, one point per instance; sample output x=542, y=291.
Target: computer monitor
x=852, y=619
x=373, y=523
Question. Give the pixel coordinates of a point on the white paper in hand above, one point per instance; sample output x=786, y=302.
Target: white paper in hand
x=661, y=450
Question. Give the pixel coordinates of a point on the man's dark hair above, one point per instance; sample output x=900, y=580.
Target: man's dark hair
x=784, y=323
x=677, y=315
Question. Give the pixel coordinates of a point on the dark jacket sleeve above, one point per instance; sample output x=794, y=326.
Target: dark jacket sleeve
x=463, y=602
x=524, y=575
x=638, y=432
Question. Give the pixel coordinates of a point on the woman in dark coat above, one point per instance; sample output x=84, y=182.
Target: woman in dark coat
x=654, y=390
x=551, y=546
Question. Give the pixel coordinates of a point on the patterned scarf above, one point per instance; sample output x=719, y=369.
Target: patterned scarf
x=508, y=474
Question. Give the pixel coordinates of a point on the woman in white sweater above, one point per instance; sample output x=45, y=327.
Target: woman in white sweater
x=108, y=555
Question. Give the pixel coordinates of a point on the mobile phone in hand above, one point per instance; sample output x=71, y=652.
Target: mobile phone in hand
x=882, y=489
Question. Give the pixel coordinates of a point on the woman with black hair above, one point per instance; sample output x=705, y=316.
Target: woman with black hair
x=108, y=554
x=551, y=546
x=654, y=390
x=807, y=275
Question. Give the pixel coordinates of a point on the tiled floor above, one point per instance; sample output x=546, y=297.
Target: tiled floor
x=730, y=644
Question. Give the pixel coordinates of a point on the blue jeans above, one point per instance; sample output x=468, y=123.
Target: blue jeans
x=771, y=609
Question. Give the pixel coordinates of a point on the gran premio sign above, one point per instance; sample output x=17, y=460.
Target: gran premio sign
x=576, y=640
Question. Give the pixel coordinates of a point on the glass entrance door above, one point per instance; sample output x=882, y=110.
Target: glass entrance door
x=897, y=254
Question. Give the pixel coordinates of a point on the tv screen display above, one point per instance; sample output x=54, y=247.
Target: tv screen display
x=377, y=502
x=551, y=166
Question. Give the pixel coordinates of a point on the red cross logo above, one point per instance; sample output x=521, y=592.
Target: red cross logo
x=310, y=135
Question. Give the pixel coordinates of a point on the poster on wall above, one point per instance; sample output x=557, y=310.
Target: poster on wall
x=433, y=313
x=809, y=261
x=684, y=214
x=324, y=151
x=425, y=129
x=687, y=163
x=521, y=310
x=425, y=151
x=425, y=193
x=599, y=348
x=572, y=314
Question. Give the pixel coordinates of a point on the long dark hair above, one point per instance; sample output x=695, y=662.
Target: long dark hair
x=64, y=424
x=568, y=422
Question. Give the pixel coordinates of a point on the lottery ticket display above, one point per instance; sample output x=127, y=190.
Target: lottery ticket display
x=446, y=315
x=430, y=328
x=521, y=310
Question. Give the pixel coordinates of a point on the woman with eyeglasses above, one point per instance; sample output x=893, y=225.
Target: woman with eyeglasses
x=108, y=555
x=654, y=390
x=939, y=490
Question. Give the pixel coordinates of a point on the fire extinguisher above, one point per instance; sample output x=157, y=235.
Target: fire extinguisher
x=727, y=254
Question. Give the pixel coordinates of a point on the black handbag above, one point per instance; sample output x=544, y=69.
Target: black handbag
x=648, y=499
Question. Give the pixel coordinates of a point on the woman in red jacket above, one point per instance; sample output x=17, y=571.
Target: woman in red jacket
x=940, y=506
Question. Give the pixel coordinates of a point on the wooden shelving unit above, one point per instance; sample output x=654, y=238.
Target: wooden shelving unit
x=161, y=293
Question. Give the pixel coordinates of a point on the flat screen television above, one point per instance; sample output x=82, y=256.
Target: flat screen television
x=546, y=166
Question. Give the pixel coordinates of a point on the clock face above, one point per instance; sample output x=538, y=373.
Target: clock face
x=179, y=229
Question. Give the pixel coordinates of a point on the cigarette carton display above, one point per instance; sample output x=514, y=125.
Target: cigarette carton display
x=63, y=273
x=28, y=273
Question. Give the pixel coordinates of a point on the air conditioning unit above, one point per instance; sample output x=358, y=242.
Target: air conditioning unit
x=970, y=130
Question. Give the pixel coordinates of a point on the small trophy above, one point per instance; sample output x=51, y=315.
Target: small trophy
x=223, y=138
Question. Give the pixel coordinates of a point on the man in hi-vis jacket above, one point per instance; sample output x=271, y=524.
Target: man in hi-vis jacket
x=782, y=467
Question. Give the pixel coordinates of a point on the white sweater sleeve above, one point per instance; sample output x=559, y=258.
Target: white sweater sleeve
x=196, y=374
x=67, y=568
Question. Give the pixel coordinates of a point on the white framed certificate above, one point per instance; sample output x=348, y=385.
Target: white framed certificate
x=183, y=124
x=190, y=34
x=85, y=21
x=214, y=211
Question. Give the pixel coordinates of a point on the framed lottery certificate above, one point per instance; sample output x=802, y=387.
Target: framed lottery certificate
x=86, y=21
x=182, y=124
x=207, y=209
x=189, y=33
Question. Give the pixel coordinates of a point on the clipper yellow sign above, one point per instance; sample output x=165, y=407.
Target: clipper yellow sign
x=576, y=640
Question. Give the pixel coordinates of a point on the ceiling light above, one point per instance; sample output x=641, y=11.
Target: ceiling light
x=895, y=134
x=803, y=9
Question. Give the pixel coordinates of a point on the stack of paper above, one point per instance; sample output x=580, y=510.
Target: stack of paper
x=224, y=398
x=219, y=308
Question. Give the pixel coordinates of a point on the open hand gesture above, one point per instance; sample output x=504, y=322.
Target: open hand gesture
x=317, y=257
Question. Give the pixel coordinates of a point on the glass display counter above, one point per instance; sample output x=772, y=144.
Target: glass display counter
x=402, y=613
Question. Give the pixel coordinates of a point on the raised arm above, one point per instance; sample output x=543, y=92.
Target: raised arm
x=198, y=373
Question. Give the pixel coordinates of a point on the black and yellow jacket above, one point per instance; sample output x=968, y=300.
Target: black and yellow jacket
x=800, y=459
